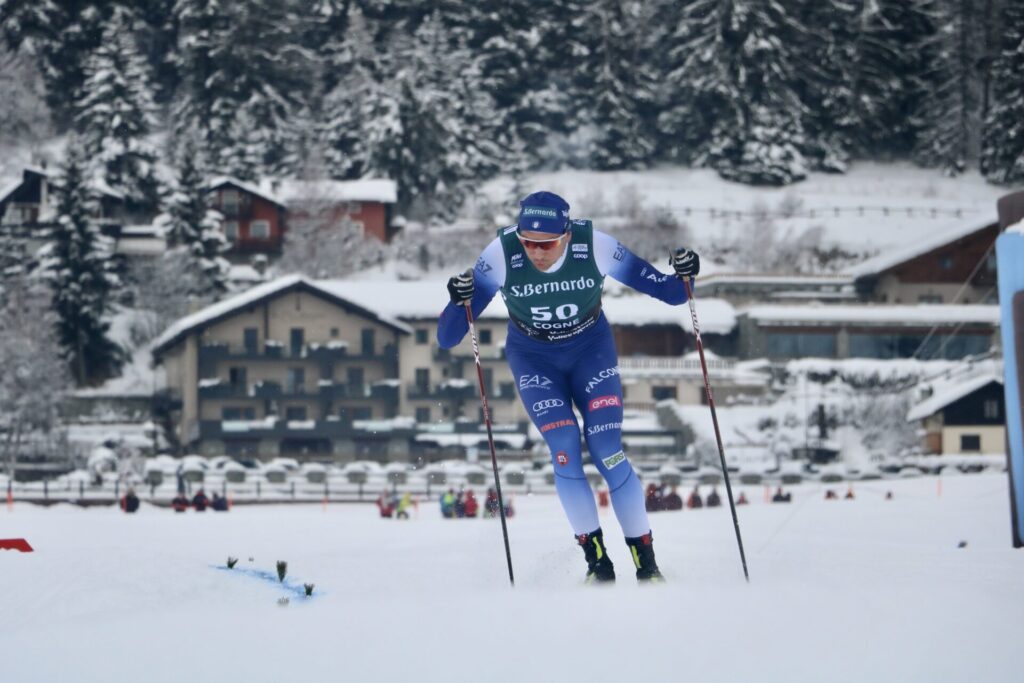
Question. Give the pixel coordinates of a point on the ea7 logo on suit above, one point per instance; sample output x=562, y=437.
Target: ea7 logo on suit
x=610, y=401
x=534, y=382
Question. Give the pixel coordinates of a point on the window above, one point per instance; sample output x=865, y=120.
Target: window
x=662, y=393
x=297, y=340
x=259, y=230
x=295, y=413
x=237, y=379
x=368, y=342
x=296, y=381
x=252, y=339
x=362, y=413
x=485, y=336
x=929, y=299
x=970, y=442
x=802, y=344
x=507, y=389
x=423, y=378
x=991, y=409
x=231, y=230
x=229, y=203
x=489, y=380
x=335, y=333
x=354, y=207
x=423, y=415
x=421, y=336
x=946, y=262
x=355, y=378
x=237, y=413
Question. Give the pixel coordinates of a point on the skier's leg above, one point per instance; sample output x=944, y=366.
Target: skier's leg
x=545, y=395
x=597, y=391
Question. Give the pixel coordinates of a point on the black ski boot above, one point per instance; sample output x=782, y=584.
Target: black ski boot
x=599, y=565
x=642, y=550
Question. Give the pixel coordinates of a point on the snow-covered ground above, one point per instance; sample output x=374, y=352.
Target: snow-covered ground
x=863, y=590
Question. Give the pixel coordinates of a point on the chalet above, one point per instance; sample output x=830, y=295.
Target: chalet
x=253, y=220
x=256, y=216
x=29, y=204
x=742, y=288
x=957, y=265
x=287, y=367
x=363, y=204
x=963, y=413
x=925, y=331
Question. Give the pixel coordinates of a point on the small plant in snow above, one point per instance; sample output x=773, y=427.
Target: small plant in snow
x=309, y=588
x=282, y=569
x=283, y=602
x=232, y=561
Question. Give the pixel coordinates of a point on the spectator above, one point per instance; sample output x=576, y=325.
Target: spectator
x=219, y=503
x=673, y=501
x=200, y=501
x=130, y=501
x=849, y=493
x=385, y=504
x=448, y=504
x=781, y=497
x=404, y=503
x=888, y=495
x=179, y=502
x=460, y=505
x=830, y=495
x=471, y=504
x=695, y=501
x=491, y=504
x=652, y=500
x=713, y=498
x=742, y=500
x=509, y=510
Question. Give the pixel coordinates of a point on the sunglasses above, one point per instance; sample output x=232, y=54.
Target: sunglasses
x=543, y=245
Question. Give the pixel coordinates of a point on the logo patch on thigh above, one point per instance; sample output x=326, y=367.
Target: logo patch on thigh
x=614, y=460
x=562, y=458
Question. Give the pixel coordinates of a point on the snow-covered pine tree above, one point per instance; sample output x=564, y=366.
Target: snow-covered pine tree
x=417, y=116
x=621, y=83
x=116, y=114
x=824, y=74
x=950, y=103
x=1002, y=154
x=239, y=62
x=77, y=264
x=62, y=34
x=887, y=74
x=741, y=57
x=190, y=225
x=35, y=376
x=24, y=115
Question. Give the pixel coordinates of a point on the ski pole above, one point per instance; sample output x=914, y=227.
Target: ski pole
x=490, y=439
x=714, y=419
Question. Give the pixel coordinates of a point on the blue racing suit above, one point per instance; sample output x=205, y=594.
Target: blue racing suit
x=562, y=353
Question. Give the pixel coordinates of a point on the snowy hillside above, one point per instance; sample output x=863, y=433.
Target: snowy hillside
x=863, y=590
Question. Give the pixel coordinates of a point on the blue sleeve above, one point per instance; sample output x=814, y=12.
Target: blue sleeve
x=488, y=277
x=620, y=263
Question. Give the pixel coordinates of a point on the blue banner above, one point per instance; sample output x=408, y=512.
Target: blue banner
x=1010, y=264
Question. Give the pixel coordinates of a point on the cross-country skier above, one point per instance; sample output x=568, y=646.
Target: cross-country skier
x=550, y=271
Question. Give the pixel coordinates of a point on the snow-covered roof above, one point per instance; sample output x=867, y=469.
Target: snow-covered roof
x=946, y=393
x=8, y=189
x=772, y=279
x=716, y=316
x=910, y=315
x=243, y=185
x=895, y=256
x=367, y=190
x=406, y=299
x=228, y=306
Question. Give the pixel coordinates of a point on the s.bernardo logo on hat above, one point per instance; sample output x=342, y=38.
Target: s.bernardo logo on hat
x=541, y=211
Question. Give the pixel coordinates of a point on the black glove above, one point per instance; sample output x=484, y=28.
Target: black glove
x=685, y=262
x=460, y=288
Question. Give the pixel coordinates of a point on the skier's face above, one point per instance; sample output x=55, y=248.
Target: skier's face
x=542, y=248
